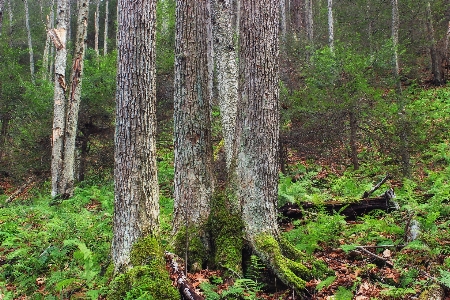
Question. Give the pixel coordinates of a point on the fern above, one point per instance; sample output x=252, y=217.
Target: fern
x=445, y=278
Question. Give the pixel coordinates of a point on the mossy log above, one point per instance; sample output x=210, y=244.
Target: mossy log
x=186, y=289
x=351, y=210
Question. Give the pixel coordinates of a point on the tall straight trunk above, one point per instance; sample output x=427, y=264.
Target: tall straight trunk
x=258, y=117
x=283, y=20
x=226, y=70
x=30, y=45
x=309, y=20
x=136, y=212
x=403, y=124
x=105, y=37
x=353, y=137
x=192, y=119
x=58, y=36
x=5, y=119
x=10, y=14
x=74, y=99
x=96, y=26
x=2, y=2
x=45, y=57
x=436, y=67
x=330, y=25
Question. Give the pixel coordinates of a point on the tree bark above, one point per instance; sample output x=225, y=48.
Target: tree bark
x=96, y=26
x=136, y=212
x=5, y=118
x=46, y=71
x=403, y=125
x=2, y=2
x=58, y=36
x=436, y=67
x=258, y=117
x=105, y=38
x=353, y=138
x=192, y=120
x=226, y=71
x=74, y=99
x=330, y=25
x=30, y=45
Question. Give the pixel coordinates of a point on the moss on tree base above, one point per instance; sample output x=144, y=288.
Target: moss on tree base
x=290, y=265
x=147, y=278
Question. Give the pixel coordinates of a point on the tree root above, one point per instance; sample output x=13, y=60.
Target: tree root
x=290, y=265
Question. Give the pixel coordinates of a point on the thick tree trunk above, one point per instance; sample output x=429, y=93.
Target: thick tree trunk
x=283, y=20
x=226, y=71
x=74, y=99
x=136, y=212
x=105, y=37
x=258, y=117
x=192, y=120
x=436, y=67
x=58, y=36
x=30, y=45
x=403, y=124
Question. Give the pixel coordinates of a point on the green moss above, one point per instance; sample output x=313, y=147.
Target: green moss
x=226, y=228
x=278, y=255
x=148, y=278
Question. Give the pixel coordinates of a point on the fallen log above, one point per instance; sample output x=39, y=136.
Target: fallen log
x=186, y=289
x=21, y=189
x=351, y=210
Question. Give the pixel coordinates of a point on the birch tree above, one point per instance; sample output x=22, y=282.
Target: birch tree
x=58, y=36
x=105, y=37
x=30, y=45
x=330, y=25
x=96, y=26
x=74, y=100
x=136, y=212
x=192, y=125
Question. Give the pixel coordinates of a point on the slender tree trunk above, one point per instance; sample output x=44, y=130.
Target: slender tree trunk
x=309, y=20
x=436, y=67
x=330, y=25
x=10, y=14
x=105, y=37
x=2, y=2
x=5, y=118
x=136, y=212
x=74, y=99
x=283, y=21
x=45, y=57
x=353, y=137
x=58, y=36
x=192, y=120
x=403, y=128
x=96, y=25
x=30, y=45
x=226, y=70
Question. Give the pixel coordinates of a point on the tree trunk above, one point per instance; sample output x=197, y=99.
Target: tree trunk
x=58, y=36
x=136, y=212
x=403, y=124
x=192, y=120
x=283, y=21
x=105, y=37
x=45, y=57
x=96, y=26
x=309, y=23
x=6, y=118
x=74, y=99
x=226, y=70
x=30, y=45
x=2, y=2
x=330, y=25
x=353, y=138
x=436, y=67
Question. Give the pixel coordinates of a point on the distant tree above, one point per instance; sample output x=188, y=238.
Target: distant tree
x=105, y=37
x=192, y=124
x=2, y=2
x=30, y=44
x=136, y=212
x=436, y=59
